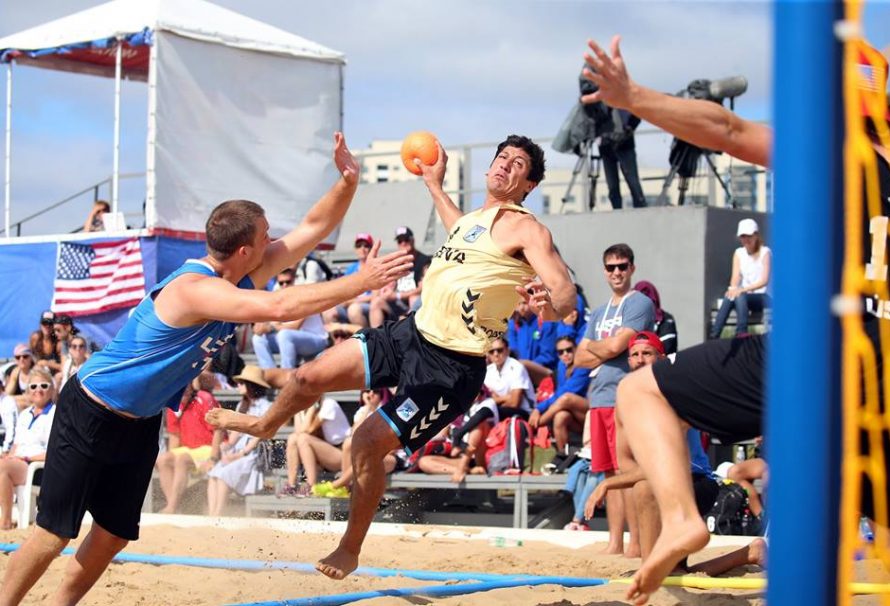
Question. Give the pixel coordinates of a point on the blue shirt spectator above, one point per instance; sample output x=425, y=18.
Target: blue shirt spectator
x=532, y=342
x=575, y=383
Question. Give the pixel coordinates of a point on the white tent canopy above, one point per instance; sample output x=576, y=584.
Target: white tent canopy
x=236, y=108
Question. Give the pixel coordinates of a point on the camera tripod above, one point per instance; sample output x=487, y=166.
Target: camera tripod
x=684, y=163
x=590, y=161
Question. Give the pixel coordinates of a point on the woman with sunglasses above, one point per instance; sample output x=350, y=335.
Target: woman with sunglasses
x=44, y=344
x=567, y=408
x=31, y=436
x=78, y=353
x=17, y=385
x=511, y=395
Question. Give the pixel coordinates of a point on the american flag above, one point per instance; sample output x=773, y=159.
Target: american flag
x=92, y=278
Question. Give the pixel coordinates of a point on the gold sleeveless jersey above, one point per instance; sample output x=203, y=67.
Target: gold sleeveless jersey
x=469, y=290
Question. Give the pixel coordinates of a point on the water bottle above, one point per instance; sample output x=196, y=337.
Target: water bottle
x=739, y=453
x=504, y=542
x=865, y=531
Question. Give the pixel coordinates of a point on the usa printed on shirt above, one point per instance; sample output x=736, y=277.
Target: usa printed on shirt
x=97, y=277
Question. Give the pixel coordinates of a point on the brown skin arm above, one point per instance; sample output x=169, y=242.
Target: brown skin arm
x=518, y=233
x=193, y=298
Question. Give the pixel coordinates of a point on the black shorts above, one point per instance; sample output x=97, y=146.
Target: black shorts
x=96, y=461
x=718, y=386
x=435, y=385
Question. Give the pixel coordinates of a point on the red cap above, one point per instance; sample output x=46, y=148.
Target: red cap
x=648, y=338
x=364, y=237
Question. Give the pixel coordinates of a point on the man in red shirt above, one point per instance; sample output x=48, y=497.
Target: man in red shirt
x=189, y=442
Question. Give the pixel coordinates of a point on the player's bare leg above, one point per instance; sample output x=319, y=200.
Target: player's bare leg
x=341, y=367
x=658, y=443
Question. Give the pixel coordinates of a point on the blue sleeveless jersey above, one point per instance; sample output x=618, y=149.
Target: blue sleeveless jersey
x=148, y=364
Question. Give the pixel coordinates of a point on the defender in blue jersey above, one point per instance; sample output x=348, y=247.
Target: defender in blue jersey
x=104, y=441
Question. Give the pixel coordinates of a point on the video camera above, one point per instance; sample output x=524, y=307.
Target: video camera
x=715, y=90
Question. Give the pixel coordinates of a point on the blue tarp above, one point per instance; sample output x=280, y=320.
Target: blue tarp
x=26, y=286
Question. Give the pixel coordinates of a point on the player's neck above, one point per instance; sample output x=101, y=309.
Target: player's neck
x=225, y=271
x=617, y=295
x=492, y=201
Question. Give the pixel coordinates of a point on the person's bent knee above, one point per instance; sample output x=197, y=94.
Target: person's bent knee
x=634, y=385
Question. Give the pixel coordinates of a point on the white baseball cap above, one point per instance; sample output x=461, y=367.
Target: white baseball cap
x=747, y=227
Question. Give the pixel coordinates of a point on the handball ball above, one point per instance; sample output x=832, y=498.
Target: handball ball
x=421, y=145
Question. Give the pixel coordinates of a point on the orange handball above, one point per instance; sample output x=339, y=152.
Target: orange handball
x=421, y=145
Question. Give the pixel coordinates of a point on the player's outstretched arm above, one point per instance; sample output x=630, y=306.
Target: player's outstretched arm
x=217, y=299
x=702, y=123
x=320, y=221
x=554, y=297
x=433, y=177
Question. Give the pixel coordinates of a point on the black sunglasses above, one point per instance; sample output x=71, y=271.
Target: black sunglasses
x=363, y=244
x=285, y=282
x=565, y=351
x=496, y=350
x=610, y=267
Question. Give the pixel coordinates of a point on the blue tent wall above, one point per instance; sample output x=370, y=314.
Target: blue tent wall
x=27, y=272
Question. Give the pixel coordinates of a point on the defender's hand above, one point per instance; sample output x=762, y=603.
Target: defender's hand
x=377, y=272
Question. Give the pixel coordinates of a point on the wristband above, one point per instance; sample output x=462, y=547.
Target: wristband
x=27, y=460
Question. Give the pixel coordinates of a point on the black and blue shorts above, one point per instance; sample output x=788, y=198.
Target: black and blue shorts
x=435, y=385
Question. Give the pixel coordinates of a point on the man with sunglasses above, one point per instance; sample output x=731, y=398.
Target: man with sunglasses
x=603, y=350
x=490, y=258
x=395, y=300
x=358, y=309
x=104, y=440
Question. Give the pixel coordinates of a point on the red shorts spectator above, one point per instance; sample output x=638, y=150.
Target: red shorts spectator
x=603, y=456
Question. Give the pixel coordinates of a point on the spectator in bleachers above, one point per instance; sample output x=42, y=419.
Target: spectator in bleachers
x=9, y=410
x=509, y=394
x=78, y=353
x=604, y=350
x=357, y=310
x=371, y=400
x=17, y=386
x=396, y=300
x=44, y=345
x=235, y=466
x=745, y=473
x=315, y=442
x=665, y=325
x=297, y=340
x=31, y=436
x=64, y=328
x=312, y=270
x=533, y=342
x=189, y=440
x=749, y=283
x=94, y=221
x=567, y=408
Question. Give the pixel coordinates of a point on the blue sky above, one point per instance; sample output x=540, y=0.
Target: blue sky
x=468, y=70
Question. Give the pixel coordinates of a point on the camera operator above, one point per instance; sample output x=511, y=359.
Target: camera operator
x=615, y=128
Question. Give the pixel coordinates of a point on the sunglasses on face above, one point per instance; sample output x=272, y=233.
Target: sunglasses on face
x=285, y=282
x=565, y=351
x=362, y=245
x=610, y=267
x=403, y=240
x=36, y=386
x=22, y=357
x=496, y=350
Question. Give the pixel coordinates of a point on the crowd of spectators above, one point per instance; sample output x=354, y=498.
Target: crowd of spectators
x=560, y=377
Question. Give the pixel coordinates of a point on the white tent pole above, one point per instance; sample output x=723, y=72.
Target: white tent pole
x=117, y=127
x=7, y=191
x=151, y=135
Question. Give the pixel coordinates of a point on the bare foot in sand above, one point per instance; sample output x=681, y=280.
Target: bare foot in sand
x=228, y=419
x=478, y=470
x=613, y=549
x=338, y=564
x=675, y=542
x=757, y=552
x=633, y=551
